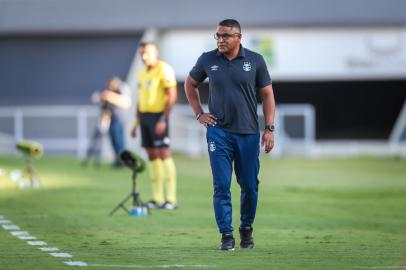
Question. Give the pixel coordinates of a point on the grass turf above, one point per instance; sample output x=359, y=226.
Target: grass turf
x=312, y=214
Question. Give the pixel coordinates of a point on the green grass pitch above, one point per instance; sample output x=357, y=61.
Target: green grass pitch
x=312, y=214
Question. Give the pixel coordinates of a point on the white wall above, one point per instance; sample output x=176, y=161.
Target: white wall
x=304, y=54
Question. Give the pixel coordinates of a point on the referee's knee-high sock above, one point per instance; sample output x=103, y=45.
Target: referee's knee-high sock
x=157, y=180
x=171, y=179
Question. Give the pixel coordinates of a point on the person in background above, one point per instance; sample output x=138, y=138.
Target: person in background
x=157, y=96
x=115, y=100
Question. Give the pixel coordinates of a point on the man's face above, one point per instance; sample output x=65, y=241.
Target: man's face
x=228, y=38
x=149, y=55
x=113, y=85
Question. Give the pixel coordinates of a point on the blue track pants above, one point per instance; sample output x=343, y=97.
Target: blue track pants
x=226, y=148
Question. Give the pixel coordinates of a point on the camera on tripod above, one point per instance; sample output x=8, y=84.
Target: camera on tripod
x=132, y=161
x=30, y=150
x=137, y=165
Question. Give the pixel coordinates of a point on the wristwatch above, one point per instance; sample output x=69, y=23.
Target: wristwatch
x=163, y=117
x=271, y=128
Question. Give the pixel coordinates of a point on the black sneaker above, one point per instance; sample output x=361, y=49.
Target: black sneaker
x=227, y=241
x=169, y=206
x=246, y=237
x=154, y=205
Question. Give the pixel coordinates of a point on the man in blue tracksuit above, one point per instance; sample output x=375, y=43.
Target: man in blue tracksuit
x=235, y=75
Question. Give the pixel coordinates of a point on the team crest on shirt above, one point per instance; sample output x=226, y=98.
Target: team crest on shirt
x=246, y=66
x=212, y=146
x=214, y=68
x=166, y=140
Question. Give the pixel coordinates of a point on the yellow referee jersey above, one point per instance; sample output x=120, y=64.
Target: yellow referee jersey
x=152, y=84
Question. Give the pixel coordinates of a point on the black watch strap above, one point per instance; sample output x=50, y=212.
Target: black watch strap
x=271, y=128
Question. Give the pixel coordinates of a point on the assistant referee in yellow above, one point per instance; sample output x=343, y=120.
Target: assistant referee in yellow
x=157, y=96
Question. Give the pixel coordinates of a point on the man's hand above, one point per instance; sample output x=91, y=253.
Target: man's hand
x=134, y=132
x=267, y=141
x=106, y=95
x=207, y=119
x=160, y=127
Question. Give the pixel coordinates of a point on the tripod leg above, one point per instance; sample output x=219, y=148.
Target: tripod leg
x=137, y=200
x=121, y=205
x=138, y=203
x=33, y=177
x=30, y=171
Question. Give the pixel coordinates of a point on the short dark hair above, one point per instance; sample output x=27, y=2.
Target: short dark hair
x=145, y=44
x=231, y=23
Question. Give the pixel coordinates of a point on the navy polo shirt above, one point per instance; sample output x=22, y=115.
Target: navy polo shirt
x=232, y=87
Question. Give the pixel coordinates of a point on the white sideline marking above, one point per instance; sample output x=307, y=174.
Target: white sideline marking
x=383, y=267
x=20, y=233
x=24, y=235
x=28, y=237
x=4, y=221
x=71, y=263
x=37, y=243
x=155, y=266
x=49, y=249
x=53, y=251
x=61, y=255
x=10, y=227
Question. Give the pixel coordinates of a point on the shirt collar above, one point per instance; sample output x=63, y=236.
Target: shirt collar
x=241, y=52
